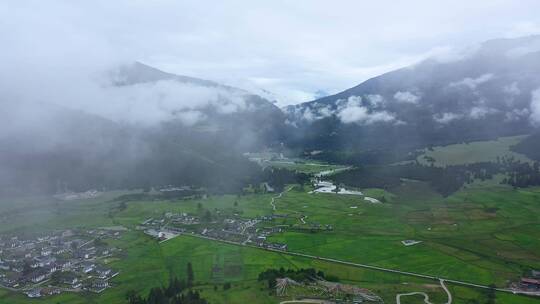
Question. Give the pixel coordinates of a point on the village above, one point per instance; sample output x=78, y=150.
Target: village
x=528, y=283
x=254, y=231
x=62, y=261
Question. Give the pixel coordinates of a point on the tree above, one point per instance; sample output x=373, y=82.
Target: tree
x=227, y=286
x=133, y=298
x=190, y=275
x=27, y=269
x=207, y=217
x=174, y=287
x=491, y=294
x=156, y=296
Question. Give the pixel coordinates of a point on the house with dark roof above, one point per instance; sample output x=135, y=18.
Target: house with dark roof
x=37, y=276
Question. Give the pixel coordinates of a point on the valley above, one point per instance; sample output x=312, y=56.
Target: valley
x=483, y=234
x=183, y=152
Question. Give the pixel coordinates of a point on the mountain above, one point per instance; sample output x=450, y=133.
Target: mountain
x=482, y=94
x=247, y=121
x=198, y=137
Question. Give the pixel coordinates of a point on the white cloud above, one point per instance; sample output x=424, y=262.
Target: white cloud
x=352, y=111
x=472, y=83
x=535, y=107
x=406, y=97
x=375, y=100
x=311, y=114
x=142, y=103
x=447, y=117
x=522, y=28
x=325, y=111
x=274, y=44
x=517, y=114
x=480, y=112
x=354, y=101
x=512, y=89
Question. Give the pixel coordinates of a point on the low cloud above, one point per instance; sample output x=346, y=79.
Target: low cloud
x=535, y=107
x=524, y=50
x=445, y=118
x=512, y=89
x=472, y=83
x=141, y=103
x=406, y=97
x=311, y=114
x=481, y=112
x=352, y=111
x=517, y=115
x=375, y=100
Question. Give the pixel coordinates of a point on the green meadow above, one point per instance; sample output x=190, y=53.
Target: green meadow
x=468, y=153
x=485, y=233
x=148, y=263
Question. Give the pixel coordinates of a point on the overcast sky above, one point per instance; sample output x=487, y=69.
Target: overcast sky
x=291, y=48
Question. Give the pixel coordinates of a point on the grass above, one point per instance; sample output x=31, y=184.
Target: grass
x=473, y=152
x=481, y=234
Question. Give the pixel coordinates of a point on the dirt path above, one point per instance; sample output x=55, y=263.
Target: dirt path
x=426, y=297
x=272, y=202
x=313, y=301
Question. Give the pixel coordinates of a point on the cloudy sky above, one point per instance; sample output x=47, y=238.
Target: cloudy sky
x=293, y=49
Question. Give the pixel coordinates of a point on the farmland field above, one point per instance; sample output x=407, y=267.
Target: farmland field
x=481, y=235
x=485, y=233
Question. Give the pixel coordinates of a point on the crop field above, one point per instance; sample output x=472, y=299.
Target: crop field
x=468, y=153
x=481, y=234
x=149, y=264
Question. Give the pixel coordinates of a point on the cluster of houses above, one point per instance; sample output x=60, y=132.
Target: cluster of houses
x=69, y=196
x=529, y=283
x=231, y=229
x=70, y=260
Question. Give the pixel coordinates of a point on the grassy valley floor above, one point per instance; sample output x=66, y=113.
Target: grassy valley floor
x=481, y=235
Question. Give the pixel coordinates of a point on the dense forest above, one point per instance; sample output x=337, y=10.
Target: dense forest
x=366, y=157
x=530, y=147
x=444, y=180
x=279, y=177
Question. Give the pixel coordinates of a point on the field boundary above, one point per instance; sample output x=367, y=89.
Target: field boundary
x=366, y=266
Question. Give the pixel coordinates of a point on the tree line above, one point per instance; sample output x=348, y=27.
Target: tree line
x=444, y=180
x=177, y=292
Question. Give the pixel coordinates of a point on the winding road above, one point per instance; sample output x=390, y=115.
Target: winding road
x=311, y=301
x=426, y=297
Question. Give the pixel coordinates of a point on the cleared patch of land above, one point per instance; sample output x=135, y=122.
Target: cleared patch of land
x=468, y=153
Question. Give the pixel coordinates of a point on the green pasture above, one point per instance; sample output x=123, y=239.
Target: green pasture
x=483, y=235
x=467, y=153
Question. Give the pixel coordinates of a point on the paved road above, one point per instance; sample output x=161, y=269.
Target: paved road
x=426, y=297
x=359, y=265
